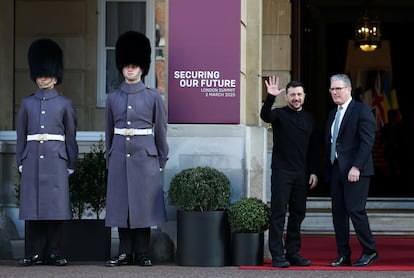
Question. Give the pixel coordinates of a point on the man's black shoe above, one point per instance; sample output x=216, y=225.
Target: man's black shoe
x=280, y=261
x=296, y=260
x=32, y=260
x=366, y=259
x=123, y=259
x=341, y=261
x=56, y=260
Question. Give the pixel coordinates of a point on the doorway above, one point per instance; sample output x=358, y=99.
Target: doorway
x=326, y=29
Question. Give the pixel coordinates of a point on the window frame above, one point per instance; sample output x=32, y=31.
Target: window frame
x=102, y=49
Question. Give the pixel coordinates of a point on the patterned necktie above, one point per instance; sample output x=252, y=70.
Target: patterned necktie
x=335, y=133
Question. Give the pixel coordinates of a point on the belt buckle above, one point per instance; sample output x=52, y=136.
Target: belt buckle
x=129, y=131
x=42, y=137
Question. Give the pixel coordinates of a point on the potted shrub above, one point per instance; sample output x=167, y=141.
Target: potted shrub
x=85, y=236
x=201, y=196
x=87, y=185
x=248, y=218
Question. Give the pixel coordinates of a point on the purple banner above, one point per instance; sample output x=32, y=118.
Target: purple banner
x=204, y=61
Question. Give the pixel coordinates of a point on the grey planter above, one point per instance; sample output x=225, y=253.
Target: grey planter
x=247, y=248
x=203, y=238
x=86, y=240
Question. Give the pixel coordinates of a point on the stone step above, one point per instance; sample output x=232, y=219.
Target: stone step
x=387, y=216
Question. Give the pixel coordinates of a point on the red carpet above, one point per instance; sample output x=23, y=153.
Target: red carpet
x=394, y=254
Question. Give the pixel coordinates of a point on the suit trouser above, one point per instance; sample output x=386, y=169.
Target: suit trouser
x=43, y=237
x=289, y=192
x=348, y=202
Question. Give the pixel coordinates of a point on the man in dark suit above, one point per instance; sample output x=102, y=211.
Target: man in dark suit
x=350, y=167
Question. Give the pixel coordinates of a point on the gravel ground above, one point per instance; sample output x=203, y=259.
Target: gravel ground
x=97, y=269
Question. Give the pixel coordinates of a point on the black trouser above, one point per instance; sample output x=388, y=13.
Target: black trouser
x=289, y=192
x=348, y=202
x=43, y=237
x=134, y=242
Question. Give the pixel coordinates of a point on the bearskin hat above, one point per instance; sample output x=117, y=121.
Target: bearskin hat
x=133, y=48
x=45, y=59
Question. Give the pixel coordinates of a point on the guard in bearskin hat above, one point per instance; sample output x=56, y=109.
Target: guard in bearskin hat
x=136, y=144
x=46, y=153
x=45, y=60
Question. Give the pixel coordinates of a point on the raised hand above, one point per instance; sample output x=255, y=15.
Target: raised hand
x=273, y=86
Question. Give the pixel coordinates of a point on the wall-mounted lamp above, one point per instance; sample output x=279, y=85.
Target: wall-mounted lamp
x=367, y=33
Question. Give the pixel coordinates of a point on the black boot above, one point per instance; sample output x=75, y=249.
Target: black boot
x=123, y=259
x=56, y=260
x=32, y=260
x=143, y=260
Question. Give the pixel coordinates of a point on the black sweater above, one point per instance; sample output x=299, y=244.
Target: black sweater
x=295, y=137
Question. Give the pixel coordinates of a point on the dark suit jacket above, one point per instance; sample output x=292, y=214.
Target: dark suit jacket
x=355, y=140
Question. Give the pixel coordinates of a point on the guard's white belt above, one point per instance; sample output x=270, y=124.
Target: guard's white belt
x=45, y=137
x=133, y=131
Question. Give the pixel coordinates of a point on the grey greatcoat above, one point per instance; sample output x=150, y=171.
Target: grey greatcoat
x=134, y=186
x=44, y=189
